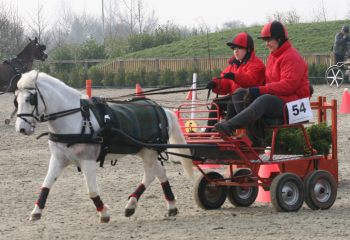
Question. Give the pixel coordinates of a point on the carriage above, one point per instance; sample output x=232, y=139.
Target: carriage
x=81, y=132
x=337, y=73
x=309, y=176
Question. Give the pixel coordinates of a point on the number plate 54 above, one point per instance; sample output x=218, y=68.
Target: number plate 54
x=299, y=111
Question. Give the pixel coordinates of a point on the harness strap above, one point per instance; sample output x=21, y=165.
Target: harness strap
x=85, y=113
x=17, y=65
x=74, y=138
x=54, y=116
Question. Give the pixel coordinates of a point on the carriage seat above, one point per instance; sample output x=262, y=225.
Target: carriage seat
x=268, y=121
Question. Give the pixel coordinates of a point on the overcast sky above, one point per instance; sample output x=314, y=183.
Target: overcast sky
x=196, y=12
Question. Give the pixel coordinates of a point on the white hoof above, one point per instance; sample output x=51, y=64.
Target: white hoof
x=35, y=216
x=172, y=212
x=130, y=207
x=129, y=212
x=104, y=219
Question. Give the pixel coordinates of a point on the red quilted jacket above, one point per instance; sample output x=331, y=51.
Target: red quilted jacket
x=248, y=74
x=286, y=74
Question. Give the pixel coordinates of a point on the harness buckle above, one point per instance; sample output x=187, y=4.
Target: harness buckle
x=84, y=108
x=99, y=139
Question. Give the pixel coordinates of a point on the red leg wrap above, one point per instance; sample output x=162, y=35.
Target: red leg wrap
x=98, y=203
x=169, y=196
x=138, y=192
x=42, y=197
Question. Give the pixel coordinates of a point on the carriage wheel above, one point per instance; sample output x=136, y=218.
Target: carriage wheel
x=334, y=75
x=242, y=196
x=287, y=192
x=320, y=190
x=208, y=195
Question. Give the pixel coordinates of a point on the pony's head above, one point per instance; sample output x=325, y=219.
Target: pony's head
x=36, y=49
x=29, y=108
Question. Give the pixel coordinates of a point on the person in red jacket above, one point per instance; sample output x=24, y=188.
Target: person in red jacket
x=245, y=70
x=286, y=80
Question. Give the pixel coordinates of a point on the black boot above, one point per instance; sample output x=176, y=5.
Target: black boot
x=225, y=128
x=241, y=120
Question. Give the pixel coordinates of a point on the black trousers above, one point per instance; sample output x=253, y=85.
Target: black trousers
x=225, y=105
x=266, y=105
x=338, y=58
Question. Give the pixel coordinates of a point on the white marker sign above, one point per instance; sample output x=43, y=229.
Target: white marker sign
x=299, y=111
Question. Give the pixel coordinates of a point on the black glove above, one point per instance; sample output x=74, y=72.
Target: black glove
x=254, y=92
x=211, y=85
x=229, y=75
x=251, y=94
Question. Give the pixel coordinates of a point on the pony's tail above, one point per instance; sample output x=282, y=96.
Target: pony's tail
x=176, y=137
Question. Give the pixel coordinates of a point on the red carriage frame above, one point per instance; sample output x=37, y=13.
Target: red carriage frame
x=313, y=177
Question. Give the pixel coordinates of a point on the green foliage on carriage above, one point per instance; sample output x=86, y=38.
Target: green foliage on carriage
x=292, y=141
x=320, y=137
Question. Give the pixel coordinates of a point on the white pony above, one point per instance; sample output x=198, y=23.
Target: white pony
x=40, y=96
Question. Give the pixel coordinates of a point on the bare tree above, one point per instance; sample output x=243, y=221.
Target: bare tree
x=277, y=16
x=62, y=27
x=39, y=24
x=292, y=17
x=320, y=14
x=234, y=24
x=288, y=17
x=11, y=32
x=136, y=15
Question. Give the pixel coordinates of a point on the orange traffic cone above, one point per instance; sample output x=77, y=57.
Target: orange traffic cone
x=189, y=95
x=345, y=102
x=139, y=91
x=265, y=172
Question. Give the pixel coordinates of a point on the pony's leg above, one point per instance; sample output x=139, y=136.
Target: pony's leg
x=88, y=168
x=149, y=164
x=56, y=166
x=168, y=193
x=8, y=120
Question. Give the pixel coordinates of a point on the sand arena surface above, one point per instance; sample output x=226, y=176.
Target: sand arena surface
x=70, y=214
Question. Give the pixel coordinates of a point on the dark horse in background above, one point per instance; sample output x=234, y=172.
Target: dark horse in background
x=11, y=70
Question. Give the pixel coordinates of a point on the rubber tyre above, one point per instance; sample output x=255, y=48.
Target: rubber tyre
x=242, y=197
x=333, y=74
x=287, y=192
x=207, y=195
x=320, y=190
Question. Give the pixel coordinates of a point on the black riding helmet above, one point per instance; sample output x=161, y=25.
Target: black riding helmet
x=242, y=40
x=275, y=30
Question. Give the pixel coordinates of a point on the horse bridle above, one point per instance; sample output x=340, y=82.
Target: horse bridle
x=33, y=100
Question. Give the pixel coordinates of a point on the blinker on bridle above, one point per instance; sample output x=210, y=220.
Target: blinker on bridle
x=33, y=100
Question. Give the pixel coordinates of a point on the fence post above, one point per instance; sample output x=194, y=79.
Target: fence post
x=88, y=87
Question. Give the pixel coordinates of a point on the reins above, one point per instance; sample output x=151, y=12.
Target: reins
x=157, y=91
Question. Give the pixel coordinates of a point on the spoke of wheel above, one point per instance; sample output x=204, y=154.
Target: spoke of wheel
x=333, y=77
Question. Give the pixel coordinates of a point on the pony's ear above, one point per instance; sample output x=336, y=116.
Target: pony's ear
x=29, y=39
x=36, y=39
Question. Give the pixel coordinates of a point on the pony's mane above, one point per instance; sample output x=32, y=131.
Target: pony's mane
x=29, y=79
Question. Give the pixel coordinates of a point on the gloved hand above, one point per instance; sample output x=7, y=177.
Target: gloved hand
x=211, y=85
x=254, y=92
x=250, y=96
x=229, y=75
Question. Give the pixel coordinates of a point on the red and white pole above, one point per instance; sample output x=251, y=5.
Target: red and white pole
x=194, y=95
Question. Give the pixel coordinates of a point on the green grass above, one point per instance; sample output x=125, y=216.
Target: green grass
x=306, y=37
